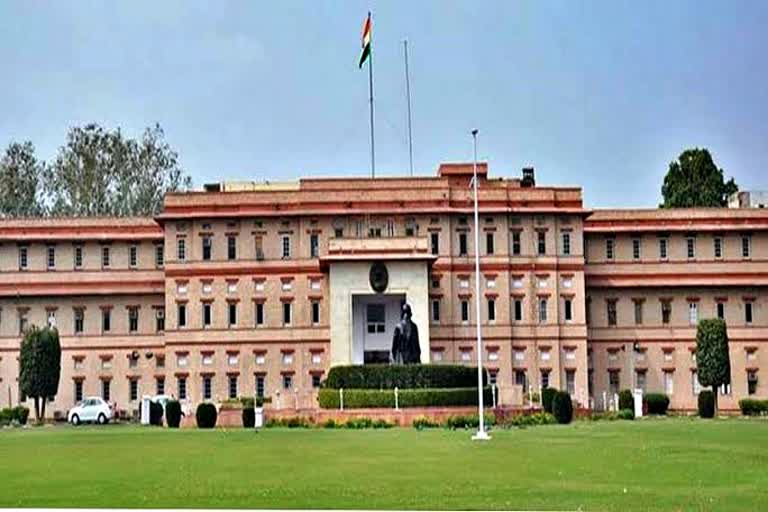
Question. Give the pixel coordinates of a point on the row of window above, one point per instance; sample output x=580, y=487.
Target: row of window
x=718, y=248
x=232, y=313
x=79, y=319
x=542, y=305
x=539, y=248
x=79, y=253
x=668, y=382
x=611, y=310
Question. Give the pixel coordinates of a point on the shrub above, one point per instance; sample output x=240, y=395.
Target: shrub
x=547, y=396
x=626, y=414
x=657, y=403
x=249, y=417
x=293, y=422
x=706, y=404
x=626, y=401
x=471, y=421
x=382, y=424
x=562, y=407
x=416, y=376
x=531, y=420
x=155, y=414
x=173, y=413
x=22, y=414
x=247, y=401
x=330, y=423
x=752, y=407
x=385, y=398
x=358, y=423
x=206, y=415
x=422, y=422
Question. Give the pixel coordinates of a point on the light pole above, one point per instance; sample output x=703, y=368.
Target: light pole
x=481, y=434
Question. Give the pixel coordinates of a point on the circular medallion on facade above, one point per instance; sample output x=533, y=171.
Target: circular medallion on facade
x=379, y=277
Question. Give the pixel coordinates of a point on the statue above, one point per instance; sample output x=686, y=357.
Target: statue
x=405, y=343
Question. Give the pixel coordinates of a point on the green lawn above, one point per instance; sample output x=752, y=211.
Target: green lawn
x=666, y=464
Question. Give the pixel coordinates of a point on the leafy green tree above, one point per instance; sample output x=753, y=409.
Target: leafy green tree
x=20, y=181
x=40, y=366
x=101, y=172
x=694, y=180
x=712, y=358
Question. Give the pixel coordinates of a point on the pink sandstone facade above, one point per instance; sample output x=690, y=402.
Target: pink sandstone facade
x=260, y=289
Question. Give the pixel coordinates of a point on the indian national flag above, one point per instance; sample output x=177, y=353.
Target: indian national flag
x=366, y=40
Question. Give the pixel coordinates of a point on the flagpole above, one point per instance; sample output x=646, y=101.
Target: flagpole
x=370, y=97
x=408, y=94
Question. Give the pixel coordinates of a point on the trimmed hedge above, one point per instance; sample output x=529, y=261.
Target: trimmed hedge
x=18, y=414
x=155, y=414
x=415, y=376
x=385, y=398
x=206, y=415
x=531, y=420
x=657, y=403
x=753, y=407
x=173, y=413
x=626, y=414
x=547, y=396
x=249, y=417
x=625, y=400
x=471, y=421
x=562, y=407
x=706, y=404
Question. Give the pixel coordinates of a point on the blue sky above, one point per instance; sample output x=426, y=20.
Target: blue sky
x=597, y=94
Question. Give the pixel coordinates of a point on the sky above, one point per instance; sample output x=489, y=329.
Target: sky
x=599, y=94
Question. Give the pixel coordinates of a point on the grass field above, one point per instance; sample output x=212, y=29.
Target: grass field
x=666, y=464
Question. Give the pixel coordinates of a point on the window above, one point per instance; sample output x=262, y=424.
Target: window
x=748, y=312
x=259, y=313
x=718, y=247
x=640, y=380
x=462, y=244
x=79, y=320
x=663, y=242
x=338, y=232
x=260, y=386
x=611, y=311
x=317, y=358
x=690, y=244
x=207, y=245
x=464, y=311
x=78, y=391
x=463, y=283
x=286, y=313
x=614, y=381
x=746, y=246
x=693, y=313
x=23, y=257
x=721, y=310
x=233, y=359
x=375, y=318
x=286, y=247
x=78, y=256
x=106, y=320
x=133, y=319
x=207, y=387
x=517, y=282
x=545, y=354
x=518, y=307
x=51, y=257
x=160, y=361
x=542, y=311
x=520, y=379
x=77, y=363
x=437, y=356
x=570, y=381
x=105, y=256
x=314, y=284
x=133, y=391
x=519, y=354
x=133, y=255
x=666, y=311
x=259, y=248
x=695, y=384
x=51, y=320
x=315, y=380
x=315, y=312
x=434, y=242
x=286, y=285
x=160, y=385
x=669, y=355
x=544, y=379
x=207, y=287
x=491, y=310
x=182, y=315
x=181, y=249
x=609, y=248
x=105, y=389
x=489, y=245
x=159, y=319
x=232, y=386
x=638, y=312
x=751, y=382
x=541, y=242
x=181, y=386
x=465, y=354
x=159, y=255
x=313, y=245
x=232, y=309
x=669, y=382
x=516, y=243
x=636, y=248
x=435, y=310
x=231, y=247
x=568, y=309
x=206, y=314
x=287, y=381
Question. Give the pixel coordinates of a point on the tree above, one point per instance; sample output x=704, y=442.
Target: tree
x=20, y=181
x=100, y=172
x=694, y=180
x=40, y=366
x=712, y=358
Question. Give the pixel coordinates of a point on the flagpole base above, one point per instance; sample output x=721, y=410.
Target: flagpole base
x=481, y=435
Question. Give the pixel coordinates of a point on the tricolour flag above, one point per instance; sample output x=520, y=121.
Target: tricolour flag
x=366, y=40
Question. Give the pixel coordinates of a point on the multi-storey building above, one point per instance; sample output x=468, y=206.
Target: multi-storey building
x=250, y=289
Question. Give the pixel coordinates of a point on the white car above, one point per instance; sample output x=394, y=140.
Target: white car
x=92, y=408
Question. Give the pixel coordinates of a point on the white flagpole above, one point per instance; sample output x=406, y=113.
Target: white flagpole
x=370, y=91
x=481, y=434
x=408, y=95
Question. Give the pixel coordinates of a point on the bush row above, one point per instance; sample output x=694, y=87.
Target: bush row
x=657, y=403
x=752, y=407
x=18, y=414
x=374, y=398
x=384, y=376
